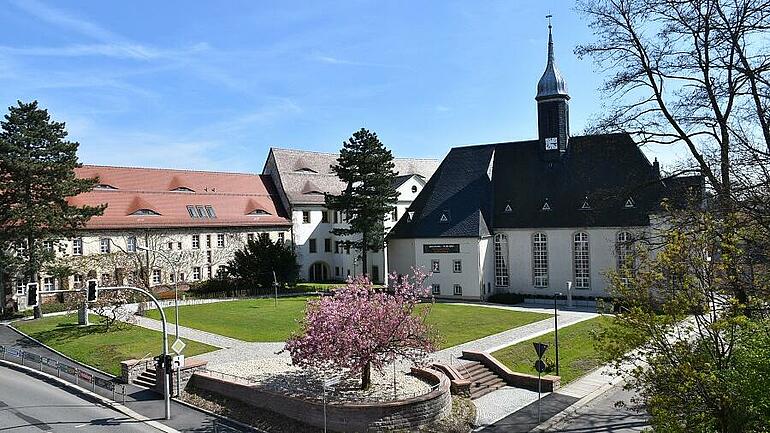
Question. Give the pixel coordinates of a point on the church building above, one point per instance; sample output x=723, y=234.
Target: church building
x=530, y=216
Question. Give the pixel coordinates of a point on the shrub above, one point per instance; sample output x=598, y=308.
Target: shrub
x=506, y=298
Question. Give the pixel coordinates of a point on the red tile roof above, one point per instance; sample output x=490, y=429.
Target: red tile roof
x=232, y=196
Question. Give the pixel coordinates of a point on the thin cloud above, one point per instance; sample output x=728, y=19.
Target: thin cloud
x=337, y=61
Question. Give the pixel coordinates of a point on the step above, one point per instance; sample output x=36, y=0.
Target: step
x=474, y=371
x=480, y=392
x=491, y=381
x=145, y=383
x=475, y=368
x=482, y=376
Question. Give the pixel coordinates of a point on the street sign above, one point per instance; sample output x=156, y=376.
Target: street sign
x=178, y=346
x=540, y=366
x=331, y=381
x=540, y=348
x=177, y=362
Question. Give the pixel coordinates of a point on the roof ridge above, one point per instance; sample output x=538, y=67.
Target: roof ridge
x=183, y=170
x=180, y=193
x=337, y=154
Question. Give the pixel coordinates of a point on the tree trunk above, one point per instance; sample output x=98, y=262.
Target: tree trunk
x=366, y=375
x=33, y=275
x=364, y=262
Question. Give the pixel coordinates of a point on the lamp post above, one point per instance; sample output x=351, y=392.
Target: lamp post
x=556, y=329
x=175, y=270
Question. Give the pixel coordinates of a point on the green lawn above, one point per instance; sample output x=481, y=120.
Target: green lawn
x=248, y=320
x=577, y=354
x=457, y=324
x=95, y=346
x=260, y=320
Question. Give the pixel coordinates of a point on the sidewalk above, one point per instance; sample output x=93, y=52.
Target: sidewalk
x=138, y=399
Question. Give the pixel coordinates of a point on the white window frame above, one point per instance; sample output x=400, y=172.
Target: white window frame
x=104, y=245
x=502, y=277
x=20, y=286
x=220, y=240
x=49, y=284
x=131, y=244
x=457, y=289
x=77, y=247
x=435, y=289
x=540, y=260
x=156, y=276
x=196, y=241
x=77, y=281
x=457, y=266
x=306, y=217
x=196, y=273
x=581, y=260
x=435, y=266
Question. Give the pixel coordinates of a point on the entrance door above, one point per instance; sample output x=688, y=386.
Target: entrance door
x=375, y=274
x=318, y=272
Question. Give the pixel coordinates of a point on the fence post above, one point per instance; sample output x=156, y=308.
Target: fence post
x=93, y=383
x=21, y=352
x=77, y=377
x=58, y=369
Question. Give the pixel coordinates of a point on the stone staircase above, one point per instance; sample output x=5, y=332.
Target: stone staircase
x=146, y=379
x=483, y=380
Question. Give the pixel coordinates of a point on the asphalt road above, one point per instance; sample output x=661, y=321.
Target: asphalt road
x=601, y=415
x=28, y=404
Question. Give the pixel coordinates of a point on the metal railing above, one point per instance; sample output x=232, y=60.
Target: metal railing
x=84, y=379
x=315, y=394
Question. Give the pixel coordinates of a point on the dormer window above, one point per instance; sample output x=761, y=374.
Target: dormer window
x=258, y=212
x=305, y=170
x=586, y=205
x=104, y=186
x=183, y=189
x=546, y=207
x=629, y=203
x=201, y=211
x=145, y=212
x=507, y=208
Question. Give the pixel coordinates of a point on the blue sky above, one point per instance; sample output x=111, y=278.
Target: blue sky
x=213, y=85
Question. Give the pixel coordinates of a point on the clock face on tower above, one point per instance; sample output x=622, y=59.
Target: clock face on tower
x=551, y=143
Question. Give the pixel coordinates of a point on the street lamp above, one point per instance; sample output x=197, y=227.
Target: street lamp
x=556, y=329
x=175, y=270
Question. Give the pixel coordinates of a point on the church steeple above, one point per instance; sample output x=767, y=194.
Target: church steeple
x=552, y=105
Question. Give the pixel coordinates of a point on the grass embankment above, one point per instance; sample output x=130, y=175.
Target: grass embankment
x=261, y=320
x=577, y=353
x=95, y=345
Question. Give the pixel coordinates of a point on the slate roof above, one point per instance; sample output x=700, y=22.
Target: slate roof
x=232, y=196
x=601, y=181
x=298, y=168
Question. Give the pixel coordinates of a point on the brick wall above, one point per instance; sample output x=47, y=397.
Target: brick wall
x=344, y=417
x=519, y=380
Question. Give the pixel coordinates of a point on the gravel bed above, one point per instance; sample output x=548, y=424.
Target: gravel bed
x=278, y=374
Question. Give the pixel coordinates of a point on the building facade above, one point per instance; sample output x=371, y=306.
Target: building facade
x=163, y=226
x=530, y=216
x=301, y=179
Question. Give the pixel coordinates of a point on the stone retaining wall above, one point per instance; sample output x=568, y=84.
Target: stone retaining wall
x=130, y=369
x=344, y=417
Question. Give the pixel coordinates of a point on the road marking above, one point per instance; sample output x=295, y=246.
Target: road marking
x=81, y=425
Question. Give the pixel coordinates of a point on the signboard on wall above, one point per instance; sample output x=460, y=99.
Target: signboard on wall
x=440, y=248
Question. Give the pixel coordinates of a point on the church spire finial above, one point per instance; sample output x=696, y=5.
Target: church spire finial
x=551, y=83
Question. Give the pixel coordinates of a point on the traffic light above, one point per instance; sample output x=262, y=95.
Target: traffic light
x=168, y=363
x=31, y=294
x=92, y=288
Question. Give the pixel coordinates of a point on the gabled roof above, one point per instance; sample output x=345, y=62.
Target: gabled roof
x=297, y=168
x=232, y=196
x=529, y=191
x=460, y=191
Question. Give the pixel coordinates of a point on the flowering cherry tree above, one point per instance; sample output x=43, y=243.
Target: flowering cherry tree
x=360, y=327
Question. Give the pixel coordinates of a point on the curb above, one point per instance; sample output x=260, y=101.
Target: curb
x=10, y=326
x=103, y=400
x=548, y=424
x=216, y=415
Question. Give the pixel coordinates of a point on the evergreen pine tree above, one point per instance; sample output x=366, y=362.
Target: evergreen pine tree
x=365, y=166
x=37, y=168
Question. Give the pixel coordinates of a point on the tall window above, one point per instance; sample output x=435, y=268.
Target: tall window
x=624, y=248
x=208, y=241
x=77, y=281
x=305, y=216
x=501, y=260
x=327, y=245
x=104, y=245
x=540, y=260
x=77, y=247
x=582, y=261
x=220, y=240
x=196, y=273
x=458, y=290
x=156, y=276
x=312, y=246
x=196, y=241
x=20, y=285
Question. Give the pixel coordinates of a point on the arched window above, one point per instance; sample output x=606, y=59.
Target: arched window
x=624, y=248
x=501, y=260
x=581, y=260
x=540, y=260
